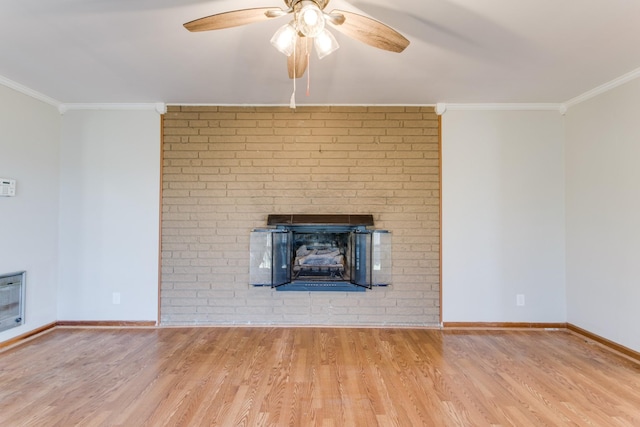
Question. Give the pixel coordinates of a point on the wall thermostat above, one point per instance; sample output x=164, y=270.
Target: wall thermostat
x=7, y=187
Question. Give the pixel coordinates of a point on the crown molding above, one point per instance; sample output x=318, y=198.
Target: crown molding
x=442, y=107
x=187, y=104
x=625, y=78
x=159, y=107
x=29, y=92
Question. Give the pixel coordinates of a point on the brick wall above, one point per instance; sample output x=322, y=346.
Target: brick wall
x=226, y=168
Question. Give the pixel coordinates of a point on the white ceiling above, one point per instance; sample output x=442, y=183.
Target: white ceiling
x=462, y=51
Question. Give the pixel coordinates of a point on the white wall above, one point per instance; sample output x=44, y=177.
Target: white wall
x=109, y=221
x=503, y=216
x=603, y=214
x=85, y=221
x=29, y=135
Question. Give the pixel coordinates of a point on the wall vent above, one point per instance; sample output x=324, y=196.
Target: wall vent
x=12, y=293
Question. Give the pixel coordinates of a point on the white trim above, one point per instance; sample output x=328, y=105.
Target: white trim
x=441, y=108
x=177, y=104
x=632, y=75
x=29, y=92
x=160, y=107
x=560, y=108
x=505, y=107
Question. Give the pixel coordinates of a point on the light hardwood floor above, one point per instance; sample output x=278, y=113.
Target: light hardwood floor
x=315, y=377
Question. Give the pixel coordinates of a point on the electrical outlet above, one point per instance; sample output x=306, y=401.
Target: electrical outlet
x=520, y=300
x=115, y=298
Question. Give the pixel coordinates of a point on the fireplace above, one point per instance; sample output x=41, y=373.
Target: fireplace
x=320, y=253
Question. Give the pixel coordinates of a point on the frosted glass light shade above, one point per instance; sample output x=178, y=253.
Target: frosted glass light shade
x=325, y=43
x=285, y=39
x=310, y=19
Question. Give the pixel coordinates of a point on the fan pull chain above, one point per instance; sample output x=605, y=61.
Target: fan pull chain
x=292, y=101
x=308, y=74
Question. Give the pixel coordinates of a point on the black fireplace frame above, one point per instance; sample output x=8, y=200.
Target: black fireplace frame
x=274, y=261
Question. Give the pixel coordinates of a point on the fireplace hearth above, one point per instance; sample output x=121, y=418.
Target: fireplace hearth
x=320, y=253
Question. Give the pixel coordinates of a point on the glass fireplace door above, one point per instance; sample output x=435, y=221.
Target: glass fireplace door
x=370, y=259
x=380, y=258
x=270, y=257
x=281, y=271
x=320, y=260
x=360, y=259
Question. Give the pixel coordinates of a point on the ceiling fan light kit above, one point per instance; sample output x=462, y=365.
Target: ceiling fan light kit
x=309, y=18
x=284, y=39
x=325, y=43
x=308, y=25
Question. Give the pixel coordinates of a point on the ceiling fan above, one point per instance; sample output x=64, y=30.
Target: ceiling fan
x=307, y=29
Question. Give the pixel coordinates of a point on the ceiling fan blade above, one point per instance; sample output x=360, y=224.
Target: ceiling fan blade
x=304, y=45
x=233, y=19
x=369, y=31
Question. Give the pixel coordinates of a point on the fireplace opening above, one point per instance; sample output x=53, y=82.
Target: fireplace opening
x=320, y=256
x=320, y=253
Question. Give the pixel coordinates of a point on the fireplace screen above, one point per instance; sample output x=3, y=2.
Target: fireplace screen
x=318, y=252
